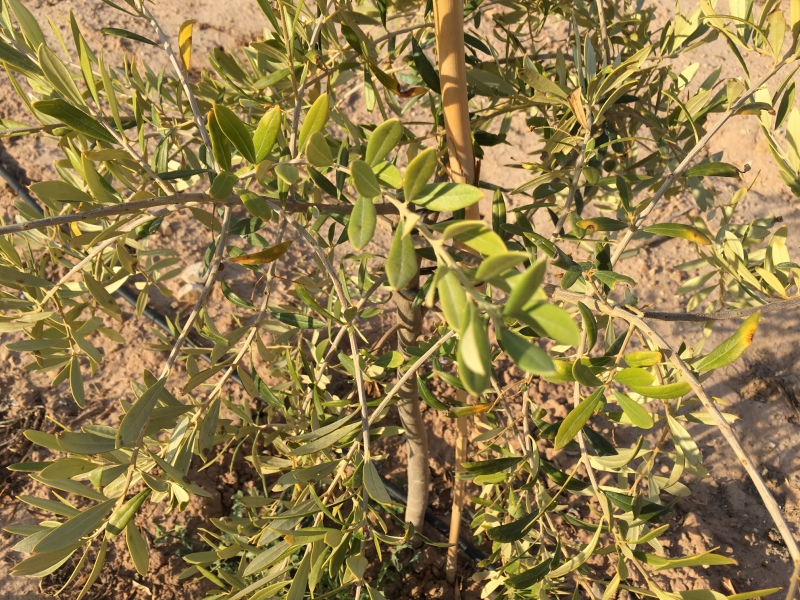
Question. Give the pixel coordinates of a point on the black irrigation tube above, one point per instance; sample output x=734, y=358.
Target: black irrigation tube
x=129, y=294
x=473, y=552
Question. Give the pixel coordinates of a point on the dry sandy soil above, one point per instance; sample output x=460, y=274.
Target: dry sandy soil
x=723, y=510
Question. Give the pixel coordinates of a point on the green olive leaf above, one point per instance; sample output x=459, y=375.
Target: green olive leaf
x=236, y=131
x=266, y=133
x=317, y=151
x=477, y=235
x=364, y=179
x=315, y=120
x=75, y=528
x=418, y=173
x=137, y=547
x=401, y=264
x=524, y=287
x=474, y=355
x=383, y=140
x=361, y=226
x=453, y=299
x=498, y=264
x=374, y=484
x=134, y=420
x=447, y=197
x=223, y=185
x=59, y=76
x=120, y=518
x=74, y=118
x=527, y=355
x=577, y=418
x=634, y=411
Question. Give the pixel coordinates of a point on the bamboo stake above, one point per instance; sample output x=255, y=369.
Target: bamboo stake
x=449, y=19
x=449, y=22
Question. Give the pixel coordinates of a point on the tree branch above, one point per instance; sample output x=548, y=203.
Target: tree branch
x=724, y=427
x=177, y=201
x=690, y=156
x=557, y=293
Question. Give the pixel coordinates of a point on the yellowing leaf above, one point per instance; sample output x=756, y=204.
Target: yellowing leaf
x=601, y=224
x=643, y=358
x=261, y=257
x=678, y=230
x=732, y=348
x=470, y=410
x=576, y=104
x=185, y=43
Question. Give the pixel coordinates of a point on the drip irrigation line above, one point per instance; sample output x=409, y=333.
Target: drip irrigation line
x=129, y=294
x=472, y=551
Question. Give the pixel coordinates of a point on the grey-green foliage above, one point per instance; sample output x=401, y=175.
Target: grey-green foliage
x=614, y=122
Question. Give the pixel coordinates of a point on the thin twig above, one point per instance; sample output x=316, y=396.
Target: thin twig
x=165, y=44
x=573, y=188
x=722, y=424
x=654, y=315
x=262, y=310
x=19, y=189
x=95, y=251
x=300, y=92
x=721, y=315
x=601, y=16
x=183, y=200
x=377, y=414
x=175, y=202
x=690, y=156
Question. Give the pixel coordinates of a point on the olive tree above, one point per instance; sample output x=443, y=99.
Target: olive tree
x=261, y=150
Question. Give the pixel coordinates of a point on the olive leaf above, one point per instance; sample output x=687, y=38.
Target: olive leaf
x=401, y=264
x=361, y=226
